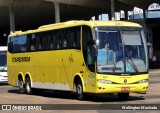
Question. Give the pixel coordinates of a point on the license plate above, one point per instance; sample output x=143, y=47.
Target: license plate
x=125, y=89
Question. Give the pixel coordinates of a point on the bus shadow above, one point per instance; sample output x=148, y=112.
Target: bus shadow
x=90, y=97
x=70, y=96
x=113, y=98
x=3, y=84
x=13, y=91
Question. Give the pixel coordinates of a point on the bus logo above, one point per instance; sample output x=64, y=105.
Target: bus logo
x=125, y=81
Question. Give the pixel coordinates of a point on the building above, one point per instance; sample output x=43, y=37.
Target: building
x=30, y=14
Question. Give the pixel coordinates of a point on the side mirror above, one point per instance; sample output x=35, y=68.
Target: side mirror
x=150, y=50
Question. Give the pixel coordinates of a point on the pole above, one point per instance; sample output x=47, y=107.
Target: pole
x=112, y=9
x=12, y=19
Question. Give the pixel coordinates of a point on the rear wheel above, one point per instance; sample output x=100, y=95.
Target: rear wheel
x=21, y=86
x=123, y=96
x=28, y=86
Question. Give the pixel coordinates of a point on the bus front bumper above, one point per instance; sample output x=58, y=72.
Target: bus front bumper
x=122, y=88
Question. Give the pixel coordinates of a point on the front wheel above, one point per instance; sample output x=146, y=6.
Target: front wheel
x=123, y=96
x=79, y=91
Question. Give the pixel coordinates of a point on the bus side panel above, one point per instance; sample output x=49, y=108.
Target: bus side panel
x=48, y=69
x=11, y=76
x=11, y=71
x=71, y=63
x=52, y=73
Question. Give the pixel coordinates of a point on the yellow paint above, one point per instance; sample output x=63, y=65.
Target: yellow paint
x=55, y=66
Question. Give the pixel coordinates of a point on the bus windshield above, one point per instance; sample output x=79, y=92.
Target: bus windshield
x=121, y=50
x=3, y=59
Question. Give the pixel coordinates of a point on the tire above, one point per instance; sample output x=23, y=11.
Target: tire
x=123, y=96
x=21, y=86
x=28, y=86
x=79, y=91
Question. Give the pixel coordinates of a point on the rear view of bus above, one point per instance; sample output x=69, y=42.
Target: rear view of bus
x=3, y=64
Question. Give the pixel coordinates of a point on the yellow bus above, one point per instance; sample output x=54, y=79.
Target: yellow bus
x=98, y=57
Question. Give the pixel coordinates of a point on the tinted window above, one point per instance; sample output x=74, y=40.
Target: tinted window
x=67, y=38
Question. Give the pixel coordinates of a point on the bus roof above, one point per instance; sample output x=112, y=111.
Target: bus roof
x=76, y=23
x=3, y=48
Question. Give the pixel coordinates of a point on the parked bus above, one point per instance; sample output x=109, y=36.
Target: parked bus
x=98, y=57
x=3, y=64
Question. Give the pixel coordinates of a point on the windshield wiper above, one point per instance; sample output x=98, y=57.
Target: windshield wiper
x=132, y=63
x=128, y=58
x=114, y=61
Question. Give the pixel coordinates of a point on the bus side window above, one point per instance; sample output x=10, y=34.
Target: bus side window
x=33, y=43
x=63, y=37
x=77, y=38
x=40, y=41
x=44, y=41
x=58, y=35
x=32, y=48
x=54, y=40
x=10, y=46
x=49, y=41
x=65, y=43
x=16, y=48
x=68, y=38
x=22, y=42
x=28, y=43
x=73, y=44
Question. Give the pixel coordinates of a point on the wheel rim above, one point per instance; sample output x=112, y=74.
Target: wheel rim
x=28, y=86
x=21, y=84
x=79, y=90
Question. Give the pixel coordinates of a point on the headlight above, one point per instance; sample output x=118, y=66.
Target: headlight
x=143, y=81
x=102, y=81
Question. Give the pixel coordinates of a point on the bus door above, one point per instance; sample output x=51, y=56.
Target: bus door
x=88, y=55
